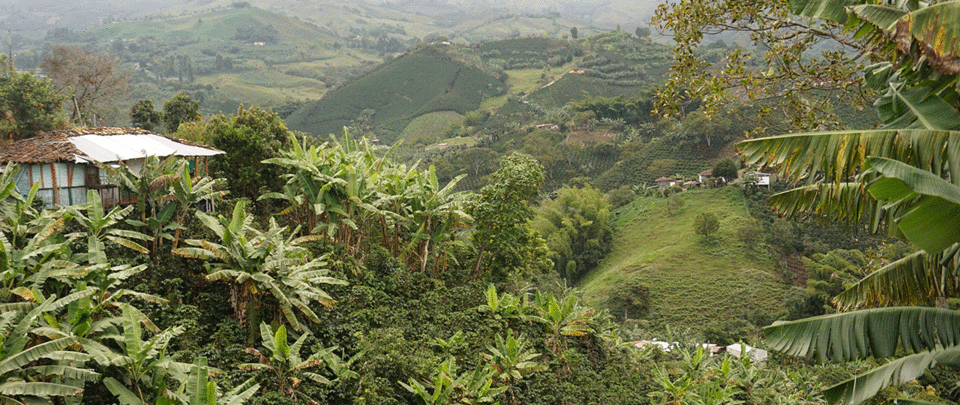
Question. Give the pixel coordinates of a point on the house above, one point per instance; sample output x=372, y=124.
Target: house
x=665, y=182
x=65, y=162
x=763, y=179
x=738, y=350
x=704, y=176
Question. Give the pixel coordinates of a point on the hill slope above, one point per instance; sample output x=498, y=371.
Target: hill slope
x=693, y=285
x=427, y=80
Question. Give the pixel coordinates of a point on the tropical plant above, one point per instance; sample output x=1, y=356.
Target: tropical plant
x=150, y=185
x=262, y=263
x=901, y=179
x=565, y=315
x=504, y=306
x=146, y=367
x=512, y=359
x=98, y=226
x=284, y=361
x=197, y=389
x=448, y=386
x=191, y=191
x=32, y=368
x=576, y=226
x=30, y=239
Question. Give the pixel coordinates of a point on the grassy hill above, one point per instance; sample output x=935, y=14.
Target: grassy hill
x=418, y=83
x=693, y=284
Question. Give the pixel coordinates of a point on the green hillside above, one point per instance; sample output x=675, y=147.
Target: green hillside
x=248, y=55
x=421, y=82
x=693, y=284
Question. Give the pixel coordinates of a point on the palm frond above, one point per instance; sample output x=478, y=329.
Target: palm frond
x=866, y=333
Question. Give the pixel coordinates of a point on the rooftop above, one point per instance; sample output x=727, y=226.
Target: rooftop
x=99, y=144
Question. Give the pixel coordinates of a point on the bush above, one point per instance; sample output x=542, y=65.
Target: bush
x=726, y=168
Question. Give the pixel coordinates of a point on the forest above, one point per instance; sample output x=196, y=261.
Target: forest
x=577, y=250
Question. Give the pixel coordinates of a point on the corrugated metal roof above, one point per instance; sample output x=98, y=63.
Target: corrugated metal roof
x=100, y=144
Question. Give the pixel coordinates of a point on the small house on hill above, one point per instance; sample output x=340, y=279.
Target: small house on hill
x=665, y=182
x=705, y=175
x=762, y=179
x=65, y=162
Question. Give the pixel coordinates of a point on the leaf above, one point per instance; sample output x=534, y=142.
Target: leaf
x=896, y=372
x=936, y=27
x=931, y=222
x=39, y=389
x=866, y=333
x=832, y=10
x=124, y=395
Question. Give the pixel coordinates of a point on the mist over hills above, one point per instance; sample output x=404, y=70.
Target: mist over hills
x=418, y=18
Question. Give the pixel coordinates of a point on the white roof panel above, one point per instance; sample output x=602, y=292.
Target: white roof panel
x=111, y=148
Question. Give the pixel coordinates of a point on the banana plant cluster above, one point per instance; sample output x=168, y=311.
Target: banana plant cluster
x=262, y=264
x=697, y=378
x=349, y=193
x=902, y=179
x=65, y=319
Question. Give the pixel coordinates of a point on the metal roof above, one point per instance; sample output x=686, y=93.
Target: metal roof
x=112, y=148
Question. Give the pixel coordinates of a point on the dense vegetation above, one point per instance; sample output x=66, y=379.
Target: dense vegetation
x=337, y=270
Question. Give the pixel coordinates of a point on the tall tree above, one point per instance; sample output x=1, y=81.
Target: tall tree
x=144, y=115
x=501, y=214
x=28, y=105
x=92, y=79
x=179, y=109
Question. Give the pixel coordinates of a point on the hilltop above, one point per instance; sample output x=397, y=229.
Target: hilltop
x=430, y=79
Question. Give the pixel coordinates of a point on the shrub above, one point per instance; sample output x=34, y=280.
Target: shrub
x=726, y=168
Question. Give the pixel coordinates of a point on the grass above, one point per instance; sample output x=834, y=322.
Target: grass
x=693, y=284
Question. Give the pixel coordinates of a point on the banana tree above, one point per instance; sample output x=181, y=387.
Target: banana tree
x=144, y=363
x=33, y=368
x=512, y=359
x=190, y=191
x=438, y=211
x=284, y=361
x=198, y=389
x=151, y=184
x=450, y=386
x=901, y=180
x=98, y=226
x=335, y=184
x=260, y=264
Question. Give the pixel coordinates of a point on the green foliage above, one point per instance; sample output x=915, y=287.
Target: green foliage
x=412, y=85
x=258, y=264
x=450, y=386
x=577, y=228
x=706, y=224
x=144, y=115
x=632, y=110
x=145, y=363
x=178, y=110
x=29, y=105
x=726, y=168
x=500, y=214
x=283, y=361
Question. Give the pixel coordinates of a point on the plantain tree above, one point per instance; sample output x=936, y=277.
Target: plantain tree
x=902, y=179
x=262, y=267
